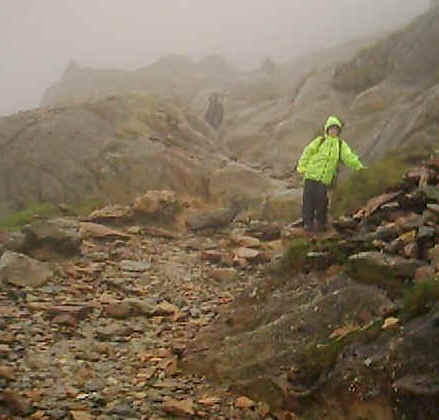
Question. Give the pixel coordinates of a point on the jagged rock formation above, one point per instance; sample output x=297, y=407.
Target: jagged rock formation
x=172, y=75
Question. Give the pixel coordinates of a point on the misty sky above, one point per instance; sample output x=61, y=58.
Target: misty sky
x=39, y=37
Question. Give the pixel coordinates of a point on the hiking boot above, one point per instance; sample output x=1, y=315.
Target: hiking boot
x=320, y=228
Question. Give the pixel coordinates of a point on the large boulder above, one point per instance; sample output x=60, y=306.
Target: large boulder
x=22, y=271
x=54, y=237
x=273, y=329
x=157, y=204
x=12, y=241
x=211, y=219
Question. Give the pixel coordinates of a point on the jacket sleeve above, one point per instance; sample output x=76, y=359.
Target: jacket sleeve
x=349, y=158
x=308, y=152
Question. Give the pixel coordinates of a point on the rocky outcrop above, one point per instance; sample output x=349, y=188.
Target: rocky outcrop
x=110, y=151
x=95, y=151
x=403, y=56
x=330, y=318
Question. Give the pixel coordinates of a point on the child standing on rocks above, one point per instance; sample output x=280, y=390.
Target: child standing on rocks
x=318, y=163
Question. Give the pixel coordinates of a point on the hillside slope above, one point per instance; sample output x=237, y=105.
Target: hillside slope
x=111, y=150
x=387, y=94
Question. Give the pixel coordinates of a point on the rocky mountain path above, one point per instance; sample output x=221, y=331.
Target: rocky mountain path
x=103, y=339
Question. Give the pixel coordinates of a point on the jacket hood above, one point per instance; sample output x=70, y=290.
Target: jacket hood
x=333, y=120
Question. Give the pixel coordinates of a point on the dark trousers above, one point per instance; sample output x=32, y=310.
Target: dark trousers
x=315, y=204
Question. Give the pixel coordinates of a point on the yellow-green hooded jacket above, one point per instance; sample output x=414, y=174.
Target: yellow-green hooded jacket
x=320, y=158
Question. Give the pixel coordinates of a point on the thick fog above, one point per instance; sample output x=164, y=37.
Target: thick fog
x=39, y=37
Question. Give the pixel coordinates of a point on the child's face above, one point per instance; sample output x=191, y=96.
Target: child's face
x=333, y=131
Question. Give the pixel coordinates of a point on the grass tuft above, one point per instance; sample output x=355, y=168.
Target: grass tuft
x=16, y=221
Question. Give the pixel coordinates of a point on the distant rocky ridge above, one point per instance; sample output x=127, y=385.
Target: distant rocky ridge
x=172, y=75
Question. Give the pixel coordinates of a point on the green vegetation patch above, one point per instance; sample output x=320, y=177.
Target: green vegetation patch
x=294, y=258
x=298, y=257
x=16, y=221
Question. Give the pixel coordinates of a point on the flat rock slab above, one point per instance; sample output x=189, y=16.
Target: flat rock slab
x=246, y=241
x=98, y=231
x=375, y=203
x=114, y=213
x=77, y=311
